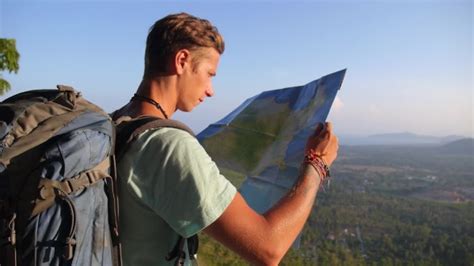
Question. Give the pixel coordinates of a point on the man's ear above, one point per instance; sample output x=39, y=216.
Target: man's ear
x=182, y=59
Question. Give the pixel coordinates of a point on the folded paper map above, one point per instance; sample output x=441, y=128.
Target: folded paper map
x=264, y=138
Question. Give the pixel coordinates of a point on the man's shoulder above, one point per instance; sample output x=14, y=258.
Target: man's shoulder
x=165, y=134
x=167, y=138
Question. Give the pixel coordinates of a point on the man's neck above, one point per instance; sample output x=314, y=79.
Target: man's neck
x=161, y=91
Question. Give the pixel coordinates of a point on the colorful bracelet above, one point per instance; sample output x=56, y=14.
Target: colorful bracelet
x=318, y=164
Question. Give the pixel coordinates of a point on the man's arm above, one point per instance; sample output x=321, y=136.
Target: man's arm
x=265, y=239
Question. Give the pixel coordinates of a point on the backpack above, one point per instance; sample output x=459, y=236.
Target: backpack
x=128, y=131
x=58, y=203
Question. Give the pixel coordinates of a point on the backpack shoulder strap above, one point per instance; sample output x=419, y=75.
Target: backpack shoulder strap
x=129, y=130
x=148, y=122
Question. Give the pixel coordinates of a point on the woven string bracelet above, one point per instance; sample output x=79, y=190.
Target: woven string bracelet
x=319, y=165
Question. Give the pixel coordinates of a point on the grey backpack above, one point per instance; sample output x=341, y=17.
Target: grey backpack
x=58, y=203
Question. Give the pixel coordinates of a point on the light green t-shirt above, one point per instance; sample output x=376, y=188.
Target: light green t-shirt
x=168, y=186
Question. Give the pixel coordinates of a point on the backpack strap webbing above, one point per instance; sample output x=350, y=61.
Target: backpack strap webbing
x=8, y=254
x=111, y=189
x=129, y=130
x=49, y=189
x=178, y=253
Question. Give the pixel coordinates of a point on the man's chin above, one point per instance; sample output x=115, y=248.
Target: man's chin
x=187, y=109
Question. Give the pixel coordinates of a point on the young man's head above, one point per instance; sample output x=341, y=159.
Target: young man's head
x=176, y=32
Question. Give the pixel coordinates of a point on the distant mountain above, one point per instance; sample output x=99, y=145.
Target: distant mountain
x=403, y=138
x=452, y=138
x=462, y=146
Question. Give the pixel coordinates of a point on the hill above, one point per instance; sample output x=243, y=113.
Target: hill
x=404, y=138
x=462, y=146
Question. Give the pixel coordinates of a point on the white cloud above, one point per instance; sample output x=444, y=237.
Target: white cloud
x=338, y=104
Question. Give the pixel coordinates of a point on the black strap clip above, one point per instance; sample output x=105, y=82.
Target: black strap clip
x=178, y=252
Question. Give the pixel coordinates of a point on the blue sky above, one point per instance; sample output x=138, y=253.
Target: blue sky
x=409, y=63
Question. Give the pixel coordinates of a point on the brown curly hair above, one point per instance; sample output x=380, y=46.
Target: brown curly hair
x=174, y=32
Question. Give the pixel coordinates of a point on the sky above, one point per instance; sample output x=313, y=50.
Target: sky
x=409, y=63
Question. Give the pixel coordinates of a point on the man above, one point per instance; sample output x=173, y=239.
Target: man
x=170, y=187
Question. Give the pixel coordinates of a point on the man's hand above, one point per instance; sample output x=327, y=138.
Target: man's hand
x=324, y=143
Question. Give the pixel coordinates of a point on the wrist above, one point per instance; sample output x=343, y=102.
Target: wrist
x=311, y=175
x=318, y=165
x=309, y=170
x=314, y=159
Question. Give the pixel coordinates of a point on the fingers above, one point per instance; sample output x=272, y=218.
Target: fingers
x=324, y=143
x=326, y=132
x=318, y=129
x=323, y=127
x=329, y=126
x=331, y=136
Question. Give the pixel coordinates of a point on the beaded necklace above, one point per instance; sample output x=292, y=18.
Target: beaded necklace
x=142, y=98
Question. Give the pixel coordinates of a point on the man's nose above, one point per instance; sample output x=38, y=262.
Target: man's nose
x=210, y=91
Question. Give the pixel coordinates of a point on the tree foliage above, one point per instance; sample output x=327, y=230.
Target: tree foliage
x=9, y=58
x=385, y=206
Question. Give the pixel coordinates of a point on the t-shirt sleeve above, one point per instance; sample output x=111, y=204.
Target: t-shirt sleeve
x=178, y=180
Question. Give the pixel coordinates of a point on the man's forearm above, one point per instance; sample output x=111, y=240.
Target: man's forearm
x=264, y=239
x=289, y=215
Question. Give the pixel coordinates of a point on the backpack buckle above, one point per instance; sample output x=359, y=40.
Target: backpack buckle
x=11, y=227
x=70, y=95
x=65, y=88
x=69, y=249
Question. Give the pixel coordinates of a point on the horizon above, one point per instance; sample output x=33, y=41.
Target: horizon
x=405, y=133
x=409, y=69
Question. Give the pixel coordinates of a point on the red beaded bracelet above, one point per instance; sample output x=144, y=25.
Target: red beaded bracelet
x=318, y=164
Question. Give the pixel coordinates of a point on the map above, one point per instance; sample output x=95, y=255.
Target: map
x=264, y=138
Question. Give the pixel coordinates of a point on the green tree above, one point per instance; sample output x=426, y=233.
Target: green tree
x=9, y=58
